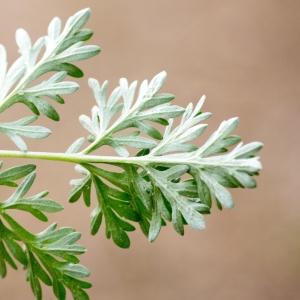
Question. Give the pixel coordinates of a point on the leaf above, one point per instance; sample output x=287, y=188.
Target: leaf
x=180, y=205
x=220, y=193
x=163, y=111
x=20, y=128
x=70, y=69
x=155, y=225
x=21, y=190
x=16, y=250
x=15, y=173
x=81, y=187
x=45, y=108
x=168, y=179
x=37, y=204
x=215, y=141
x=61, y=47
x=49, y=257
x=149, y=130
x=75, y=270
x=53, y=260
x=96, y=219
x=148, y=106
x=52, y=89
x=115, y=226
x=158, y=99
x=77, y=52
x=135, y=141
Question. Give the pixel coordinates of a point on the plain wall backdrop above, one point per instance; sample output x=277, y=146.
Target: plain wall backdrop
x=244, y=55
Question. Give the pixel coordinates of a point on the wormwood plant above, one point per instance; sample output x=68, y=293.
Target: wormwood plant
x=166, y=179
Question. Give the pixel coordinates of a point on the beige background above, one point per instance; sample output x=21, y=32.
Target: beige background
x=245, y=56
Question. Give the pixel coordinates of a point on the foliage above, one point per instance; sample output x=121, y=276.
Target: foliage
x=62, y=47
x=49, y=256
x=170, y=179
x=158, y=173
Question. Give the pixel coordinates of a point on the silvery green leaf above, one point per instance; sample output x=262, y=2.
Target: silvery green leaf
x=161, y=111
x=13, y=74
x=36, y=207
x=189, y=211
x=96, y=219
x=149, y=130
x=54, y=28
x=177, y=220
x=128, y=93
x=76, y=52
x=76, y=145
x=202, y=189
x=81, y=186
x=155, y=226
x=180, y=204
x=244, y=179
x=216, y=189
x=24, y=43
x=16, y=130
x=247, y=151
x=76, y=271
x=161, y=206
x=174, y=172
x=225, y=128
x=192, y=133
x=77, y=21
x=45, y=108
x=60, y=48
x=174, y=147
x=156, y=83
x=86, y=122
x=81, y=36
x=99, y=91
x=158, y=99
x=169, y=179
x=177, y=139
x=15, y=173
x=22, y=189
x=52, y=89
x=18, y=141
x=36, y=50
x=134, y=141
x=139, y=187
x=121, y=151
x=127, y=112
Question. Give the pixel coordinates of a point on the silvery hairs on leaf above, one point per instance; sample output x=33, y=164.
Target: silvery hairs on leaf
x=62, y=47
x=160, y=174
x=170, y=178
x=49, y=257
x=149, y=107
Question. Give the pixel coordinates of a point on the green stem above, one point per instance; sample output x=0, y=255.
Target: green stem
x=83, y=158
x=142, y=161
x=66, y=157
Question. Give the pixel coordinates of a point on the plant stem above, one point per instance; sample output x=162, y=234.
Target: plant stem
x=141, y=161
x=66, y=157
x=83, y=158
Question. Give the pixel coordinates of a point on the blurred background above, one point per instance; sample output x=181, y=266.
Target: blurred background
x=244, y=55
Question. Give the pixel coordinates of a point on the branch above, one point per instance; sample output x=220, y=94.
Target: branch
x=50, y=256
x=62, y=49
